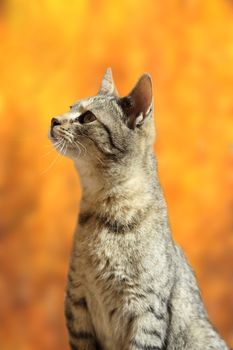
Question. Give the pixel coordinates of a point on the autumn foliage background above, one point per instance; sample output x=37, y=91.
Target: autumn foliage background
x=55, y=52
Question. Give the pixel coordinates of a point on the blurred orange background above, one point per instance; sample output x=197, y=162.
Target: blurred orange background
x=55, y=52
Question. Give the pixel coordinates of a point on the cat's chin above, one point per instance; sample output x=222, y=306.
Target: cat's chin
x=72, y=153
x=61, y=145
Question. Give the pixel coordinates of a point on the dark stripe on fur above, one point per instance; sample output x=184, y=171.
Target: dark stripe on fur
x=139, y=295
x=152, y=332
x=73, y=347
x=158, y=316
x=119, y=227
x=81, y=303
x=71, y=328
x=150, y=290
x=112, y=312
x=72, y=300
x=110, y=156
x=84, y=218
x=99, y=275
x=68, y=314
x=131, y=320
x=145, y=347
x=116, y=226
x=169, y=310
x=80, y=335
x=83, y=335
x=110, y=277
x=111, y=141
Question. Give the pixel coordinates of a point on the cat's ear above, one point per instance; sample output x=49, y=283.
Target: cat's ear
x=138, y=103
x=107, y=86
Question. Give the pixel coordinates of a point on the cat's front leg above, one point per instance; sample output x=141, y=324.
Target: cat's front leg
x=79, y=324
x=147, y=330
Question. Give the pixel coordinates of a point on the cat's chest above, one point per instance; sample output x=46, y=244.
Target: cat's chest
x=104, y=277
x=107, y=259
x=101, y=265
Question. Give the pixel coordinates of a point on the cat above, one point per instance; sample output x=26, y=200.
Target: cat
x=129, y=285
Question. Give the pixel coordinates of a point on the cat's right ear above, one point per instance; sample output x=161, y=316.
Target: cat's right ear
x=107, y=86
x=137, y=105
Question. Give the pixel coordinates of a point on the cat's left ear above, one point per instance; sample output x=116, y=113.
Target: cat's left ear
x=138, y=103
x=107, y=86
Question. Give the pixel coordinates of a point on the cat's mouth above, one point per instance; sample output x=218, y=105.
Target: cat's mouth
x=64, y=140
x=65, y=143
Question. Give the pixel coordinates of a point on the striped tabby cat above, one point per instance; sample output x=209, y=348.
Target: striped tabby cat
x=129, y=285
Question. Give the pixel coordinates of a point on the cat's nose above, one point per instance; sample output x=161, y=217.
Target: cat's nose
x=55, y=122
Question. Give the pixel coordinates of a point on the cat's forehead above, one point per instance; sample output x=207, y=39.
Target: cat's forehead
x=95, y=102
x=106, y=107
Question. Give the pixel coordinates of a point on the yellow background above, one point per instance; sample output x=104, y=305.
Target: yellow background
x=54, y=52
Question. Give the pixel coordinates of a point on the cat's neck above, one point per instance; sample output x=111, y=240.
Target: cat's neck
x=137, y=179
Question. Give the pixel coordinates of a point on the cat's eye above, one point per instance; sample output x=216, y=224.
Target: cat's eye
x=86, y=117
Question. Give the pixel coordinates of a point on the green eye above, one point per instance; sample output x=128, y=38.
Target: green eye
x=86, y=117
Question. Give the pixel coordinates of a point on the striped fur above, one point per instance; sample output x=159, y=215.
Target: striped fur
x=129, y=285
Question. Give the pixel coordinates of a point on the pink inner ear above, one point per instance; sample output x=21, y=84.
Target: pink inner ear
x=141, y=96
x=139, y=119
x=138, y=102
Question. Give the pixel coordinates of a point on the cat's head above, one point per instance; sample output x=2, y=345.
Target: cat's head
x=107, y=128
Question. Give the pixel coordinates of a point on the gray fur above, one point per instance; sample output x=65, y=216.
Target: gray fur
x=130, y=286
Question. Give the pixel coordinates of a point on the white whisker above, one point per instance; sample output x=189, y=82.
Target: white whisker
x=60, y=148
x=85, y=150
x=101, y=162
x=79, y=150
x=56, y=144
x=65, y=133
